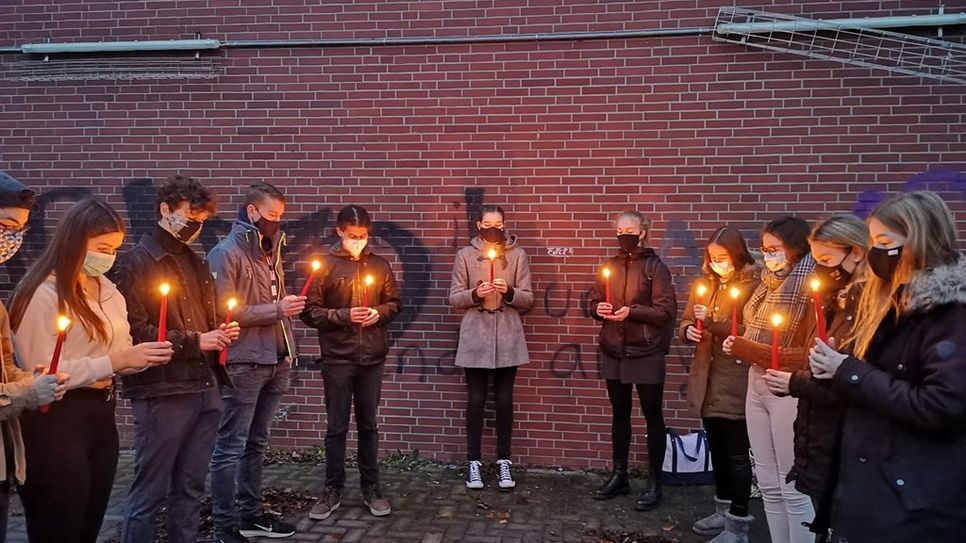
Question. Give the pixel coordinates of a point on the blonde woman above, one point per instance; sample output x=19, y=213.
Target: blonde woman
x=902, y=473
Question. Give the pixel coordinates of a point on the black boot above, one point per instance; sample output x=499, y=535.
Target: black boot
x=616, y=485
x=651, y=496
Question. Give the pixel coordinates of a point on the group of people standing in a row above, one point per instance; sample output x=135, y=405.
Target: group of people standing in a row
x=863, y=436
x=856, y=415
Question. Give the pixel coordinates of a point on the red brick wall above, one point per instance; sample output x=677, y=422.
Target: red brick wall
x=565, y=135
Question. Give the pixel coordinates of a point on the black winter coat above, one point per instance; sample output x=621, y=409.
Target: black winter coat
x=902, y=475
x=635, y=349
x=339, y=288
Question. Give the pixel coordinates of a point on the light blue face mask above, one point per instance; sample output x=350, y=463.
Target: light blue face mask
x=96, y=264
x=776, y=262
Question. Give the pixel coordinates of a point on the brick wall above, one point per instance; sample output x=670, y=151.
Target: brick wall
x=564, y=134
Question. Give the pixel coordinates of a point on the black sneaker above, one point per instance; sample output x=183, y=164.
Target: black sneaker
x=229, y=536
x=266, y=526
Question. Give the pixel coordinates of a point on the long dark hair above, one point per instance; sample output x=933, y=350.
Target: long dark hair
x=734, y=243
x=794, y=233
x=64, y=257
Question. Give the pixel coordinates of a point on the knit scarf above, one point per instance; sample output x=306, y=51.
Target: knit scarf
x=783, y=295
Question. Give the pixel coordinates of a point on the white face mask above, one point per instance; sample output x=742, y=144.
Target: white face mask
x=776, y=262
x=725, y=269
x=96, y=264
x=354, y=246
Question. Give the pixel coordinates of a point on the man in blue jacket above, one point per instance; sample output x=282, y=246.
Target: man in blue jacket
x=247, y=265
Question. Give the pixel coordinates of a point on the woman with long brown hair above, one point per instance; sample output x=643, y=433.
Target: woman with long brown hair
x=718, y=382
x=902, y=473
x=73, y=448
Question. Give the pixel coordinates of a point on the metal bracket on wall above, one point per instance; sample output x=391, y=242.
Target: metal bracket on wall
x=856, y=42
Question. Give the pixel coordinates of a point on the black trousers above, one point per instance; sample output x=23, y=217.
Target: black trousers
x=728, y=444
x=477, y=381
x=621, y=400
x=347, y=386
x=71, y=461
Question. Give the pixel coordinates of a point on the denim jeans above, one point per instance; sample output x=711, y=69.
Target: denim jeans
x=173, y=439
x=348, y=385
x=236, y=466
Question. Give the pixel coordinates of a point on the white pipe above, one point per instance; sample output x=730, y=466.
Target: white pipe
x=118, y=46
x=807, y=25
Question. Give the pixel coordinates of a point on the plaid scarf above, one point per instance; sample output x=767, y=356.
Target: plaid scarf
x=784, y=295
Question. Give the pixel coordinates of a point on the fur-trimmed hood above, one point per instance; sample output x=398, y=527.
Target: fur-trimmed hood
x=936, y=287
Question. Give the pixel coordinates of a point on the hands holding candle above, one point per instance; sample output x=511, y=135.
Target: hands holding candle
x=316, y=265
x=819, y=310
x=824, y=360
x=700, y=310
x=605, y=309
x=365, y=316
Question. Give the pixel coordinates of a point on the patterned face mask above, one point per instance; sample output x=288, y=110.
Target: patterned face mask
x=184, y=229
x=10, y=242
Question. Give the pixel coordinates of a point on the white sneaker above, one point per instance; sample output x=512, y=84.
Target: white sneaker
x=503, y=474
x=474, y=479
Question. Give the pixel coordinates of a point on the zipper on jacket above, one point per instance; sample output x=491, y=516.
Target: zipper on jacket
x=627, y=269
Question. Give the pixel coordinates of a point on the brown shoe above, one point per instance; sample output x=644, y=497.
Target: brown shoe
x=330, y=501
x=378, y=505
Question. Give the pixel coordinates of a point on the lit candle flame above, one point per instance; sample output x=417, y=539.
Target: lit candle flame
x=491, y=254
x=369, y=280
x=735, y=292
x=232, y=303
x=701, y=290
x=165, y=289
x=316, y=265
x=62, y=323
x=607, y=273
x=816, y=284
x=776, y=320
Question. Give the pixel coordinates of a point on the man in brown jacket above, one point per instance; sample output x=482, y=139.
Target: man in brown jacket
x=19, y=390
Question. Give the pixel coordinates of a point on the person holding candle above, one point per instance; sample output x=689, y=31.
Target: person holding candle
x=635, y=338
x=73, y=448
x=783, y=292
x=902, y=461
x=491, y=341
x=247, y=265
x=176, y=407
x=838, y=245
x=717, y=382
x=22, y=390
x=354, y=340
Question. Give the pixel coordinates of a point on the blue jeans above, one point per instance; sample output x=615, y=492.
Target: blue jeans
x=173, y=439
x=236, y=466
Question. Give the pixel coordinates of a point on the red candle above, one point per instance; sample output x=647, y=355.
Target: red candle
x=607, y=285
x=491, y=254
x=223, y=355
x=776, y=321
x=701, y=290
x=62, y=324
x=163, y=316
x=819, y=313
x=734, y=310
x=365, y=291
x=308, y=282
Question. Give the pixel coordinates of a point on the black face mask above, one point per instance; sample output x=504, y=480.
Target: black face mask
x=833, y=277
x=267, y=228
x=884, y=261
x=190, y=231
x=628, y=242
x=493, y=235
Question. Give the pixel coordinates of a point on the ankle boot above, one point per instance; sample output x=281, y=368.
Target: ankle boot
x=616, y=485
x=736, y=529
x=714, y=523
x=651, y=496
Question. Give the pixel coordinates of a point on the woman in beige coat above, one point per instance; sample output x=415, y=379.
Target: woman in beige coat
x=491, y=283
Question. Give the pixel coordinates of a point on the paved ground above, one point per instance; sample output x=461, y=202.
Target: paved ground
x=431, y=505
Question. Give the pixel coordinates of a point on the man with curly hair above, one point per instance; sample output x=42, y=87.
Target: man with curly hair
x=177, y=407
